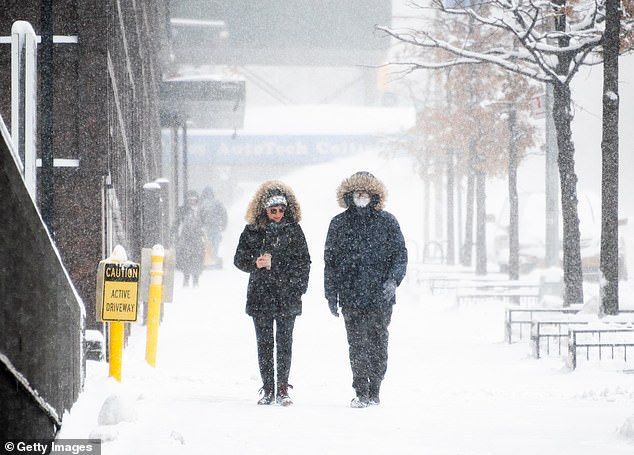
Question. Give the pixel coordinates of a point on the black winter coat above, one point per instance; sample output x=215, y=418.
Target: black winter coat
x=190, y=236
x=275, y=292
x=364, y=248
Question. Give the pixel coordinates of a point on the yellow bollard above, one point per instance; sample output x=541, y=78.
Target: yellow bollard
x=154, y=303
x=116, y=349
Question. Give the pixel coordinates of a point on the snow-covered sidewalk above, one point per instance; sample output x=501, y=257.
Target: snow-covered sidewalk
x=453, y=387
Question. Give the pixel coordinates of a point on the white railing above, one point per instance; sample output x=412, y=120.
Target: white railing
x=22, y=138
x=24, y=100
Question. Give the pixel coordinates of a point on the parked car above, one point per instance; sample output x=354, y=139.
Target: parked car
x=532, y=233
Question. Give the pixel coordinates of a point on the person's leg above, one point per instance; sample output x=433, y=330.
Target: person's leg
x=379, y=321
x=284, y=346
x=356, y=331
x=215, y=242
x=265, y=343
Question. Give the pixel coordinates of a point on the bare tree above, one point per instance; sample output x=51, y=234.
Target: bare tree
x=609, y=262
x=544, y=41
x=464, y=128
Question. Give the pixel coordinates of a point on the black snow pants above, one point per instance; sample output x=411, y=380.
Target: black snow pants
x=367, y=331
x=267, y=344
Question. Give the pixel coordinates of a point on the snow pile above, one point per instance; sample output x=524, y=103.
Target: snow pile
x=116, y=410
x=627, y=430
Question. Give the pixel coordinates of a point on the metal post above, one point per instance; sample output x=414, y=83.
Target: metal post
x=174, y=201
x=185, y=161
x=166, y=214
x=151, y=218
x=116, y=349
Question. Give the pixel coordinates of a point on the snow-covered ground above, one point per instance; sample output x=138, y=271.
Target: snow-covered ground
x=453, y=385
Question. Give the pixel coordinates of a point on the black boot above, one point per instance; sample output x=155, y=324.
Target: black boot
x=268, y=395
x=282, y=395
x=360, y=401
x=374, y=393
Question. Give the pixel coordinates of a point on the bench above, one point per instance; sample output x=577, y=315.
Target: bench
x=614, y=337
x=555, y=329
x=551, y=331
x=519, y=295
x=524, y=316
x=450, y=282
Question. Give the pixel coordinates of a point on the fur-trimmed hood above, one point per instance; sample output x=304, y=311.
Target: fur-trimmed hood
x=362, y=181
x=256, y=212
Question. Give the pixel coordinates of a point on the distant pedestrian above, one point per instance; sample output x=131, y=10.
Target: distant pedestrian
x=273, y=250
x=365, y=260
x=189, y=232
x=214, y=218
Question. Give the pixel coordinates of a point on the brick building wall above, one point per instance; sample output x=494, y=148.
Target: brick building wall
x=105, y=115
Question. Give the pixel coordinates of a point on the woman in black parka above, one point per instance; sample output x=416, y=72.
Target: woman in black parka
x=273, y=250
x=365, y=260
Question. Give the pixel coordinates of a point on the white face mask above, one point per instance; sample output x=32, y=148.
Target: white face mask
x=360, y=200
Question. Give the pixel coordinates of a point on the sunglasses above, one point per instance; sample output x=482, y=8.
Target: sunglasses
x=274, y=210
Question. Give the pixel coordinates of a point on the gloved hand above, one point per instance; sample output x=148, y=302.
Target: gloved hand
x=389, y=289
x=334, y=309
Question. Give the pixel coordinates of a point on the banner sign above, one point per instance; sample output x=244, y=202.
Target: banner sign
x=280, y=149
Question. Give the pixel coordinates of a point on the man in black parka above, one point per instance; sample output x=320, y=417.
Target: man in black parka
x=365, y=259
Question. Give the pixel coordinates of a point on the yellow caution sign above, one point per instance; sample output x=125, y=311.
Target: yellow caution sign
x=117, y=291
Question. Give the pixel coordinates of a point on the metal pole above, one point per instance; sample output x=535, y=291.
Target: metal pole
x=185, y=161
x=175, y=161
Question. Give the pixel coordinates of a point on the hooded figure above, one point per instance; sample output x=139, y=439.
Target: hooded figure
x=190, y=237
x=214, y=219
x=365, y=259
x=273, y=250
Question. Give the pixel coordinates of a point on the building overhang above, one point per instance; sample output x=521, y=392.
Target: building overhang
x=216, y=103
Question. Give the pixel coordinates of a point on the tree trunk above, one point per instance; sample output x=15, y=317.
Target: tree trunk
x=551, y=184
x=467, y=248
x=609, y=264
x=426, y=216
x=573, y=274
x=481, y=245
x=514, y=247
x=426, y=205
x=439, y=203
x=451, y=249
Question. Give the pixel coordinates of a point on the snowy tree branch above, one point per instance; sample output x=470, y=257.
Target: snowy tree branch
x=540, y=51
